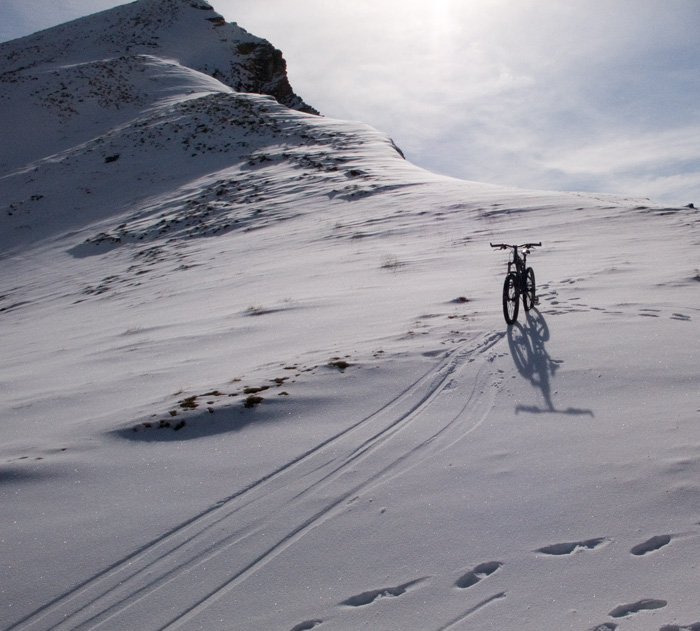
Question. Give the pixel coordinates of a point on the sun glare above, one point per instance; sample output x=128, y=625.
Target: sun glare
x=441, y=14
x=440, y=21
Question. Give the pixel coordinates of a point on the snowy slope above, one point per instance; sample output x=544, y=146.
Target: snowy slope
x=94, y=73
x=255, y=376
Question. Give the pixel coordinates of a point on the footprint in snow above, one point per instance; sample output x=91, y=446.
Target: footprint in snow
x=307, y=626
x=651, y=545
x=479, y=573
x=367, y=598
x=622, y=611
x=681, y=317
x=675, y=627
x=562, y=549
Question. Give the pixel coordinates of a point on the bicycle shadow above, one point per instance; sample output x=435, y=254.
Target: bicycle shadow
x=527, y=347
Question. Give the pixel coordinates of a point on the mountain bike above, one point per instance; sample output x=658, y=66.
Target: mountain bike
x=520, y=282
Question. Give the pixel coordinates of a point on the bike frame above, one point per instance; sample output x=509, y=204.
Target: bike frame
x=516, y=258
x=516, y=281
x=520, y=263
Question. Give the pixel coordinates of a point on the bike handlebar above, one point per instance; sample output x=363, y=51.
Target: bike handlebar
x=505, y=246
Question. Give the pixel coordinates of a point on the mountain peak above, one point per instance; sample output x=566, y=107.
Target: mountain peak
x=189, y=31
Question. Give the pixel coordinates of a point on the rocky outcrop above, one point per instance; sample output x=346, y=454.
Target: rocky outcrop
x=267, y=74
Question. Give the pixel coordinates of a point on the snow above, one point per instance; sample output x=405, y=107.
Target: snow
x=414, y=462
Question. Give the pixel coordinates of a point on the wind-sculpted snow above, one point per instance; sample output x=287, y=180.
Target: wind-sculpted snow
x=209, y=157
x=54, y=109
x=256, y=375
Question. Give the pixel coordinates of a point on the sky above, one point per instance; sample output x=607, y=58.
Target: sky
x=587, y=95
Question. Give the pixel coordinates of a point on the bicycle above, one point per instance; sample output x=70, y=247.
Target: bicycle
x=520, y=282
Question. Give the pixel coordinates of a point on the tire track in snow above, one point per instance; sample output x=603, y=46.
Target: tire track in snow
x=221, y=547
x=384, y=474
x=472, y=610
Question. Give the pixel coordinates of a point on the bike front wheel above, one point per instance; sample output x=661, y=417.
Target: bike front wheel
x=511, y=296
x=529, y=297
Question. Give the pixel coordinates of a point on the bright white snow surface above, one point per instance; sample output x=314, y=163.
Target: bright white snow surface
x=414, y=463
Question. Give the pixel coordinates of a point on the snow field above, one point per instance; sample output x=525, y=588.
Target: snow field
x=256, y=376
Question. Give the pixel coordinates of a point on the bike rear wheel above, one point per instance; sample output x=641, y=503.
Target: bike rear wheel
x=511, y=296
x=529, y=297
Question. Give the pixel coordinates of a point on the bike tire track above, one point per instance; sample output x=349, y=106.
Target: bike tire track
x=336, y=505
x=145, y=574
x=472, y=610
x=202, y=521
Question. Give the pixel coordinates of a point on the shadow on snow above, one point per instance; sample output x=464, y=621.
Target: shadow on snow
x=527, y=347
x=233, y=418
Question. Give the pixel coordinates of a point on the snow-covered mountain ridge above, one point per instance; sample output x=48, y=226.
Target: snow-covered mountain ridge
x=84, y=77
x=255, y=374
x=189, y=31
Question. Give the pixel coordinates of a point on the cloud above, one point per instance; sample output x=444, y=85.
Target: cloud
x=649, y=164
x=512, y=91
